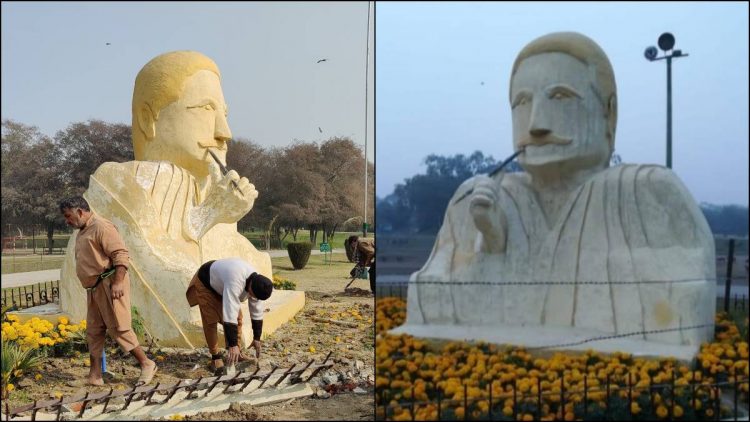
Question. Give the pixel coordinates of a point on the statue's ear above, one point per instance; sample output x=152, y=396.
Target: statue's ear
x=611, y=120
x=146, y=121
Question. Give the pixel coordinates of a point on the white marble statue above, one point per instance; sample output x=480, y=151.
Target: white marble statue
x=570, y=249
x=173, y=207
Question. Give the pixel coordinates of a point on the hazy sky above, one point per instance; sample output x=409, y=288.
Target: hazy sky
x=433, y=57
x=57, y=68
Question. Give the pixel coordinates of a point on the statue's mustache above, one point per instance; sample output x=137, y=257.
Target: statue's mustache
x=544, y=140
x=221, y=147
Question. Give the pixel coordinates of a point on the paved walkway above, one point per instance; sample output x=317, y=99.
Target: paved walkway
x=23, y=279
x=32, y=277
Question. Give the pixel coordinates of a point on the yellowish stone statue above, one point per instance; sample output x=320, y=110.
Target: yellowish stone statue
x=569, y=251
x=173, y=207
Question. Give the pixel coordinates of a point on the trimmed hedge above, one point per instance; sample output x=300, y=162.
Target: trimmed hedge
x=299, y=253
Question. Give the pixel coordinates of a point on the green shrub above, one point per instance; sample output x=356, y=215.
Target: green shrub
x=299, y=253
x=280, y=283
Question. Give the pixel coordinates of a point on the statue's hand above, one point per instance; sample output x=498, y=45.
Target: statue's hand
x=488, y=217
x=230, y=202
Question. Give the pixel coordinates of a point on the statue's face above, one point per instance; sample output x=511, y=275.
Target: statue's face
x=195, y=122
x=557, y=113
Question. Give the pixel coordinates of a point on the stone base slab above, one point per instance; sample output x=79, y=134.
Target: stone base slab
x=531, y=337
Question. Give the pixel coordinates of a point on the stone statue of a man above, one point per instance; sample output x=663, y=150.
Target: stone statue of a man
x=173, y=207
x=569, y=242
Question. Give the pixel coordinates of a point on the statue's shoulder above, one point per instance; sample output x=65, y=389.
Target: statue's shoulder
x=142, y=173
x=110, y=169
x=644, y=176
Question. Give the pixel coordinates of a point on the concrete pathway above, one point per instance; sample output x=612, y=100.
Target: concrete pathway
x=32, y=277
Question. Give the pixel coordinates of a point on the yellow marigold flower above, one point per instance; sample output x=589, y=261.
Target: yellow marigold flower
x=661, y=412
x=635, y=408
x=312, y=349
x=38, y=377
x=63, y=320
x=11, y=387
x=678, y=412
x=160, y=358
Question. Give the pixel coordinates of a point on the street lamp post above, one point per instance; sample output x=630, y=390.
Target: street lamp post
x=666, y=43
x=367, y=75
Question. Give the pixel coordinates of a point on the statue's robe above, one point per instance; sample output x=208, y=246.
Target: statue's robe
x=632, y=230
x=149, y=203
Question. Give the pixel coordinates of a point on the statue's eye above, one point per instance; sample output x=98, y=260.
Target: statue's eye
x=208, y=107
x=520, y=100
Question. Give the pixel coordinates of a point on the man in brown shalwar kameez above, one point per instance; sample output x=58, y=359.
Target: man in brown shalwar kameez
x=102, y=267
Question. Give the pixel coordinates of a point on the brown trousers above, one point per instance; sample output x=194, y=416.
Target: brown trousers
x=211, y=312
x=106, y=315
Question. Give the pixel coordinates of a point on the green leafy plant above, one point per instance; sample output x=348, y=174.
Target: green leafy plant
x=137, y=323
x=299, y=253
x=16, y=361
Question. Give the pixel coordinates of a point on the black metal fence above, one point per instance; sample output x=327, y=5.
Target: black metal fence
x=720, y=400
x=23, y=297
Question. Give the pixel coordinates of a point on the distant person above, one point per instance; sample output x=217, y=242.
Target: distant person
x=218, y=288
x=364, y=256
x=102, y=267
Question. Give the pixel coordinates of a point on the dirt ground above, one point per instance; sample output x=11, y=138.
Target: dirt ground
x=297, y=341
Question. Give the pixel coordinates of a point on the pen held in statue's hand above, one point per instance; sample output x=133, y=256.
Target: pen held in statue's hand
x=492, y=173
x=224, y=170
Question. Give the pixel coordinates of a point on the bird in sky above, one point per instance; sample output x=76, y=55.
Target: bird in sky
x=108, y=43
x=321, y=130
x=322, y=60
x=482, y=83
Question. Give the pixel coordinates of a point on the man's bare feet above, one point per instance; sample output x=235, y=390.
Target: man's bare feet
x=94, y=380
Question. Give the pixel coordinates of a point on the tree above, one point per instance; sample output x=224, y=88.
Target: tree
x=33, y=181
x=87, y=145
x=419, y=203
x=726, y=219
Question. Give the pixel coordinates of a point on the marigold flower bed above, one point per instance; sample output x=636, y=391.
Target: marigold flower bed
x=463, y=377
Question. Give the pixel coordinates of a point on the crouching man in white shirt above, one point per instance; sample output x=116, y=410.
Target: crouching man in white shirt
x=218, y=288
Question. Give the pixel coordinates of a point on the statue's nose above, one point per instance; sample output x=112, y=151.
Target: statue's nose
x=221, y=129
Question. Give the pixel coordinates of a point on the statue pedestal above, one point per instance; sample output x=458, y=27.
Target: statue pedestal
x=539, y=336
x=50, y=312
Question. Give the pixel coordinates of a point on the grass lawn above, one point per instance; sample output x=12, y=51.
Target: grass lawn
x=257, y=238
x=318, y=275
x=20, y=264
x=317, y=271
